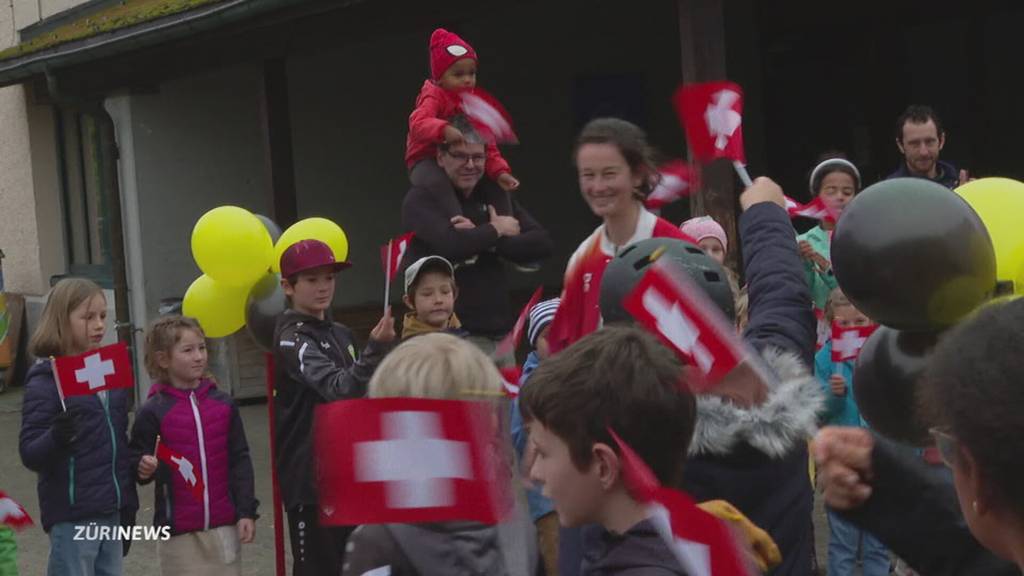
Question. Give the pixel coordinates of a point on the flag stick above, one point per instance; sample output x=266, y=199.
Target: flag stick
x=156, y=447
x=387, y=278
x=56, y=378
x=741, y=171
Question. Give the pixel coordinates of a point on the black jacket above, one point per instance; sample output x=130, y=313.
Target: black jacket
x=641, y=551
x=757, y=458
x=314, y=362
x=483, y=304
x=914, y=511
x=442, y=549
x=947, y=175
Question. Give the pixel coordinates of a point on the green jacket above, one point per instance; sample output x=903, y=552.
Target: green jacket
x=8, y=553
x=820, y=283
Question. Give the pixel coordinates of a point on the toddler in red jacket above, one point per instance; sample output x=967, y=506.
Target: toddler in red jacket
x=453, y=65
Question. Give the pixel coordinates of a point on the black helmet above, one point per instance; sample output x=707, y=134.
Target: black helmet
x=626, y=269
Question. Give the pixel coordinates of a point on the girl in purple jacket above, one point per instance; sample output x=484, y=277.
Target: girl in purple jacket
x=189, y=437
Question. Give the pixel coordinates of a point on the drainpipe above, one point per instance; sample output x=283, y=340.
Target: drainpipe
x=123, y=324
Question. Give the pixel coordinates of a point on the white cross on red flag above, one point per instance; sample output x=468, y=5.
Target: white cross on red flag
x=815, y=209
x=847, y=342
x=391, y=254
x=488, y=116
x=188, y=474
x=402, y=460
x=676, y=180
x=667, y=302
x=701, y=543
x=101, y=369
x=13, y=514
x=712, y=117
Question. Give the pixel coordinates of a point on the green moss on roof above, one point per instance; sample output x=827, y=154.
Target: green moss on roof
x=122, y=15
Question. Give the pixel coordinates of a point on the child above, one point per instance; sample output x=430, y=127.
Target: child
x=315, y=361
x=430, y=293
x=439, y=366
x=619, y=378
x=453, y=65
x=541, y=509
x=188, y=414
x=711, y=237
x=840, y=410
x=80, y=453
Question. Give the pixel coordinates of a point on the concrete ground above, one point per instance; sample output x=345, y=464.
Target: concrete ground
x=257, y=558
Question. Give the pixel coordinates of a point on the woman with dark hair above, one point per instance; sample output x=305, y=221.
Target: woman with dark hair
x=972, y=392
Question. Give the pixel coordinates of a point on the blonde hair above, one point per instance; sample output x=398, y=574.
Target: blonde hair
x=742, y=308
x=436, y=365
x=161, y=336
x=836, y=298
x=53, y=336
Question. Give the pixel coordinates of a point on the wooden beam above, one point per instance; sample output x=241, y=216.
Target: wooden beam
x=277, y=134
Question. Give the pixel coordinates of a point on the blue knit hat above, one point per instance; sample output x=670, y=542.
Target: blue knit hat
x=541, y=315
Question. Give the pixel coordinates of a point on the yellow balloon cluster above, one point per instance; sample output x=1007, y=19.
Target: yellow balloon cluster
x=999, y=202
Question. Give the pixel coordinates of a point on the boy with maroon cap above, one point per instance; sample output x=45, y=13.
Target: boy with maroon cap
x=453, y=64
x=315, y=362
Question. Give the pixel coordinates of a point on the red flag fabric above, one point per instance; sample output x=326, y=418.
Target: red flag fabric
x=511, y=341
x=391, y=254
x=847, y=342
x=700, y=542
x=188, y=474
x=578, y=315
x=488, y=116
x=712, y=117
x=815, y=209
x=510, y=380
x=402, y=460
x=673, y=307
x=13, y=514
x=677, y=180
x=101, y=369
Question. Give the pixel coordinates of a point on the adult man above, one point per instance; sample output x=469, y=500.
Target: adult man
x=476, y=225
x=920, y=137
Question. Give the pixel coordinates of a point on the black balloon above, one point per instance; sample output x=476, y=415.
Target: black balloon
x=885, y=383
x=266, y=302
x=271, y=226
x=913, y=255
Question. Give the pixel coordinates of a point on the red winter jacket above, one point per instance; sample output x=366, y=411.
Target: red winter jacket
x=434, y=106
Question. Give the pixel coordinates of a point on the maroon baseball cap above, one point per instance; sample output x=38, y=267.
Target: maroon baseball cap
x=306, y=255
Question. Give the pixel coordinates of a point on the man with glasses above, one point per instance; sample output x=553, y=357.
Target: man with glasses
x=480, y=228
x=920, y=137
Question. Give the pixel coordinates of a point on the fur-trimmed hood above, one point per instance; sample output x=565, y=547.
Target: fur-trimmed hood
x=788, y=416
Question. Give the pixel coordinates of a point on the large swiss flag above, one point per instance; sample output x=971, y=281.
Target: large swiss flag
x=403, y=460
x=101, y=369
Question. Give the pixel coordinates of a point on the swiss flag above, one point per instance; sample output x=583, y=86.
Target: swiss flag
x=677, y=180
x=101, y=369
x=488, y=116
x=701, y=543
x=12, y=513
x=405, y=460
x=847, y=342
x=510, y=380
x=511, y=341
x=667, y=302
x=391, y=254
x=188, y=474
x=815, y=209
x=712, y=116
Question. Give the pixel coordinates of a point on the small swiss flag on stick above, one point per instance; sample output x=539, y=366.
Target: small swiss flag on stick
x=847, y=342
x=815, y=209
x=488, y=116
x=667, y=302
x=511, y=341
x=712, y=116
x=188, y=474
x=677, y=180
x=402, y=460
x=101, y=369
x=13, y=514
x=391, y=255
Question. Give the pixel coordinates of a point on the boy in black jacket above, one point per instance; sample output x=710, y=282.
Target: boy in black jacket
x=315, y=361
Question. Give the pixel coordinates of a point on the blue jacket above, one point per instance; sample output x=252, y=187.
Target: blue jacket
x=839, y=410
x=539, y=505
x=947, y=175
x=92, y=478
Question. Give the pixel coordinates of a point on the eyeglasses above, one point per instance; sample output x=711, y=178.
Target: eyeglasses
x=947, y=445
x=466, y=158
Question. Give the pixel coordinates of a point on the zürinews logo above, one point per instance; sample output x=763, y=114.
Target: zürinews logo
x=93, y=532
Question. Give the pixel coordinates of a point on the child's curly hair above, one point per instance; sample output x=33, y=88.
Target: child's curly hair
x=161, y=336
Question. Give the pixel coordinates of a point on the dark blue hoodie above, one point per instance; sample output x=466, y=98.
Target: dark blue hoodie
x=947, y=175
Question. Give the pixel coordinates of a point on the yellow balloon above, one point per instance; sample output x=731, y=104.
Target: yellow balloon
x=320, y=229
x=232, y=246
x=1000, y=202
x=220, y=309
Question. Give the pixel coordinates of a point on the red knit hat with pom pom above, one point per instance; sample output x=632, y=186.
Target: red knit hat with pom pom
x=446, y=48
